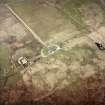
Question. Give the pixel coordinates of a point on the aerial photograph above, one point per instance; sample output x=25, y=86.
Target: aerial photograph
x=52, y=52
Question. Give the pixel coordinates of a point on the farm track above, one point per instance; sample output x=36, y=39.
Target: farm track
x=26, y=26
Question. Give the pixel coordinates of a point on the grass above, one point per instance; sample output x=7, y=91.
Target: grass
x=103, y=13
x=24, y=9
x=4, y=63
x=83, y=54
x=4, y=59
x=12, y=80
x=72, y=12
x=27, y=11
x=7, y=70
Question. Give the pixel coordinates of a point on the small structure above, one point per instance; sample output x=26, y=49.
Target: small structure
x=98, y=37
x=100, y=46
x=49, y=50
x=23, y=61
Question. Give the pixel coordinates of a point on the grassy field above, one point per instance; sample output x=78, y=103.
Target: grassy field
x=7, y=71
x=46, y=21
x=79, y=61
x=83, y=54
x=68, y=23
x=4, y=59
